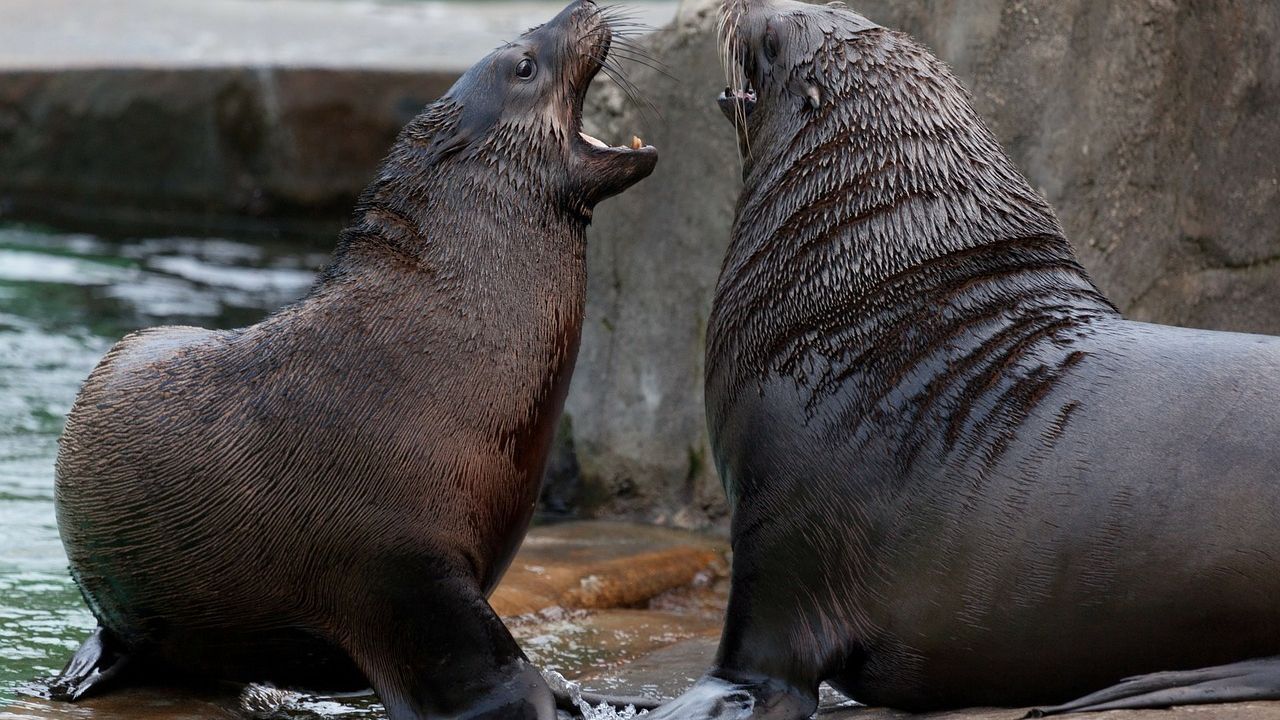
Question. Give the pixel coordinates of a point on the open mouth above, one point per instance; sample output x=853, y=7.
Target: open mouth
x=590, y=143
x=595, y=142
x=737, y=104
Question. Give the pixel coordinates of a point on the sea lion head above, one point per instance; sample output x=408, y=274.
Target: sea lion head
x=864, y=165
x=781, y=58
x=519, y=111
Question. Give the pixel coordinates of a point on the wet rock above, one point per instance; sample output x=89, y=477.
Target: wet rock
x=576, y=642
x=1151, y=126
x=139, y=704
x=663, y=673
x=654, y=255
x=601, y=564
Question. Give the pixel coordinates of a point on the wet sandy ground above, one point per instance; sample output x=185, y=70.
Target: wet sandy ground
x=581, y=598
x=620, y=608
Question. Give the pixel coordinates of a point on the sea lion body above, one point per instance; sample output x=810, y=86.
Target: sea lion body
x=958, y=476
x=326, y=498
x=1032, y=563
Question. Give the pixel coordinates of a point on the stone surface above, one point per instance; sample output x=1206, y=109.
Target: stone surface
x=587, y=565
x=579, y=597
x=201, y=151
x=1152, y=126
x=653, y=258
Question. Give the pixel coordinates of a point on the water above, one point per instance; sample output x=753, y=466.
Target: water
x=64, y=299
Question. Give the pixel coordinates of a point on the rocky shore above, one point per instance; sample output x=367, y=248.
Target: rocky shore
x=1151, y=126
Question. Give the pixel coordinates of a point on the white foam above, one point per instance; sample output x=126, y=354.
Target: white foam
x=603, y=711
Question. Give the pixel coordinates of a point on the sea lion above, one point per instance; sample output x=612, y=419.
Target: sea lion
x=958, y=476
x=326, y=498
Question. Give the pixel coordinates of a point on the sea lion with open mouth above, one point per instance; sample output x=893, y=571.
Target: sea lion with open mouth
x=326, y=498
x=958, y=476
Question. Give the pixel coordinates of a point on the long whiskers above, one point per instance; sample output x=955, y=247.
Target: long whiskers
x=732, y=50
x=623, y=27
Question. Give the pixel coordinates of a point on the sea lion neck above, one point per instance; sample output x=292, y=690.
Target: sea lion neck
x=469, y=213
x=889, y=194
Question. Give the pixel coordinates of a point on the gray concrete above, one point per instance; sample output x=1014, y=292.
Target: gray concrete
x=56, y=34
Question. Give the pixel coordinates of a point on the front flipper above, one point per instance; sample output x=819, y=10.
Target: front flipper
x=1249, y=680
x=435, y=649
x=715, y=698
x=99, y=661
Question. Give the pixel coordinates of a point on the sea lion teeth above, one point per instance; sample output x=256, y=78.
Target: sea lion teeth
x=636, y=142
x=596, y=142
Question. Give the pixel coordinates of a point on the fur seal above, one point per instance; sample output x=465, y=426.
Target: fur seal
x=958, y=476
x=326, y=498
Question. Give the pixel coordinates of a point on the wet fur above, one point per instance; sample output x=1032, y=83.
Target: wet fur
x=327, y=497
x=959, y=477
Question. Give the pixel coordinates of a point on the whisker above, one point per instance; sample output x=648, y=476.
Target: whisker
x=634, y=46
x=653, y=65
x=634, y=95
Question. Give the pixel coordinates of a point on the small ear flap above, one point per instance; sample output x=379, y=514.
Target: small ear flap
x=447, y=144
x=481, y=100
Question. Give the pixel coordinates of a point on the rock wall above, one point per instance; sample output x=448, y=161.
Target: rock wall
x=1153, y=126
x=653, y=257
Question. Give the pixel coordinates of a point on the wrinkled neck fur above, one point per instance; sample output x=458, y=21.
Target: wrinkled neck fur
x=891, y=195
x=494, y=203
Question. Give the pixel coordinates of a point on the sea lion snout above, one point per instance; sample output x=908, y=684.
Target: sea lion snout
x=737, y=105
x=776, y=49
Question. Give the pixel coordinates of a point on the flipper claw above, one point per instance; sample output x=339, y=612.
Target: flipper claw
x=99, y=660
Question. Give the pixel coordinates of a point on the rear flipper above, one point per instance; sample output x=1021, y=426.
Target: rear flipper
x=1249, y=680
x=98, y=662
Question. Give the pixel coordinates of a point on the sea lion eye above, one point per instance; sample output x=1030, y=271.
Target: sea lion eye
x=770, y=45
x=526, y=69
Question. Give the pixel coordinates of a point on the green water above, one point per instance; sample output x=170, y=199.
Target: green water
x=63, y=300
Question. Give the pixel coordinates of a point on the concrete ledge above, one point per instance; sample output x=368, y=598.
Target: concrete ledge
x=203, y=151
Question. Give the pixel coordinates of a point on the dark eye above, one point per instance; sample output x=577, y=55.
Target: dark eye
x=770, y=45
x=526, y=69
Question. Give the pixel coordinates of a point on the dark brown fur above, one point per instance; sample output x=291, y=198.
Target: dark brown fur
x=958, y=476
x=329, y=495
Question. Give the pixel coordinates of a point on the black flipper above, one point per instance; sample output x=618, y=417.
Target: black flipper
x=1249, y=680
x=435, y=648
x=98, y=662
